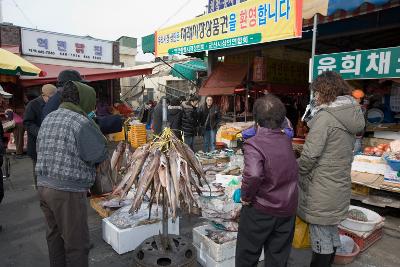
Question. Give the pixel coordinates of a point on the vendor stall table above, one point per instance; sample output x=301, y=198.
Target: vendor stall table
x=372, y=190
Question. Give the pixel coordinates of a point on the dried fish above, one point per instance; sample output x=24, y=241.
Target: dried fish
x=117, y=155
x=164, y=167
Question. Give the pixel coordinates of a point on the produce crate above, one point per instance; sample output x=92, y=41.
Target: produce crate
x=95, y=203
x=211, y=254
x=364, y=242
x=116, y=137
x=361, y=190
x=137, y=135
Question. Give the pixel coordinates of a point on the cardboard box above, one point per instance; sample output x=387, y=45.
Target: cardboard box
x=125, y=240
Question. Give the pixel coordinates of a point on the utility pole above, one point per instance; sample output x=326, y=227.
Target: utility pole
x=1, y=11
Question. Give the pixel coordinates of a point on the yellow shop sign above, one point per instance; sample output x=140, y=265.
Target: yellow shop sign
x=251, y=22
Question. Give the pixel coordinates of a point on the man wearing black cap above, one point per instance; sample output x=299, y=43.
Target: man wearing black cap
x=55, y=101
x=108, y=124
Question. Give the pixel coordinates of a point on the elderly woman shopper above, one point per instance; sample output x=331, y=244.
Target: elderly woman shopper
x=325, y=164
x=269, y=190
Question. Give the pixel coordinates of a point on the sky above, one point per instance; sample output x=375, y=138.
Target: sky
x=103, y=19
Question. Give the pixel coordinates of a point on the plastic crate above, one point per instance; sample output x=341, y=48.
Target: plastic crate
x=361, y=190
x=394, y=164
x=366, y=242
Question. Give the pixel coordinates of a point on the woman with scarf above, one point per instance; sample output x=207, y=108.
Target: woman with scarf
x=325, y=164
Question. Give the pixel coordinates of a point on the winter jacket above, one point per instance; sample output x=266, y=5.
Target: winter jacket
x=174, y=116
x=189, y=120
x=32, y=122
x=270, y=176
x=108, y=124
x=69, y=146
x=325, y=163
x=157, y=118
x=52, y=105
x=210, y=118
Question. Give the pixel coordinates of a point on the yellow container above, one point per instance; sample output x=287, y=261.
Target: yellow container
x=116, y=137
x=137, y=135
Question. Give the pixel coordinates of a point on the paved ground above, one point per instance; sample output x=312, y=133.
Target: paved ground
x=22, y=242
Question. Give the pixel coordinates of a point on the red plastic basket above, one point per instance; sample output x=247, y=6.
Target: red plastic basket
x=364, y=243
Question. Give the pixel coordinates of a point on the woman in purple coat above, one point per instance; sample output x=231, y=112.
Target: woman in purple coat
x=269, y=189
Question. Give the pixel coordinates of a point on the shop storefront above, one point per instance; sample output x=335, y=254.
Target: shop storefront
x=96, y=60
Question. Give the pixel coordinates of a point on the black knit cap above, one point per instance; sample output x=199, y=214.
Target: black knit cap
x=69, y=75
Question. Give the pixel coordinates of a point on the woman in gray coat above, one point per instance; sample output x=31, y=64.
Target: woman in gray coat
x=325, y=164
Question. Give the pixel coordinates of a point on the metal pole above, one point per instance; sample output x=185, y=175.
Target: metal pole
x=1, y=11
x=165, y=201
x=314, y=44
x=165, y=218
x=164, y=113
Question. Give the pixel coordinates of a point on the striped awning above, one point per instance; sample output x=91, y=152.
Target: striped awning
x=340, y=10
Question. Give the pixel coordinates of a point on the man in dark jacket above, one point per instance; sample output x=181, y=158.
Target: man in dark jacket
x=33, y=120
x=108, y=124
x=269, y=190
x=157, y=116
x=190, y=120
x=174, y=116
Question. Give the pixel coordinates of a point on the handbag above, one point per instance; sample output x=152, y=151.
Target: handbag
x=8, y=125
x=103, y=183
x=301, y=237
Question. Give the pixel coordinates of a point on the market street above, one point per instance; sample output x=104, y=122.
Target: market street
x=23, y=243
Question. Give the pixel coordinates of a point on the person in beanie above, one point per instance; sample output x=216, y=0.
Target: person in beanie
x=33, y=120
x=269, y=190
x=108, y=124
x=69, y=147
x=55, y=101
x=325, y=164
x=174, y=116
x=190, y=120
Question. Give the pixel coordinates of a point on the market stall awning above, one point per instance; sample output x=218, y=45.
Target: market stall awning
x=224, y=80
x=12, y=64
x=342, y=10
x=330, y=7
x=189, y=69
x=89, y=74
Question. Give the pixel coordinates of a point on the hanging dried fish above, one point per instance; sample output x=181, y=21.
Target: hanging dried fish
x=164, y=167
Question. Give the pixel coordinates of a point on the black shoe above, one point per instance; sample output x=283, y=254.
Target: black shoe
x=1, y=228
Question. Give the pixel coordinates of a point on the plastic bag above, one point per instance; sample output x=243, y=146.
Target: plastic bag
x=103, y=183
x=301, y=237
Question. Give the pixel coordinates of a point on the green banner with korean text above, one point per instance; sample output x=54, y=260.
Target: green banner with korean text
x=363, y=64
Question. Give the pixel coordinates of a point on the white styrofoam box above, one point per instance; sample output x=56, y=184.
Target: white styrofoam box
x=206, y=261
x=125, y=240
x=369, y=164
x=387, y=135
x=215, y=252
x=391, y=176
x=229, y=143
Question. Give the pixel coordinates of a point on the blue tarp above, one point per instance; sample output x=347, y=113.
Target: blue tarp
x=350, y=5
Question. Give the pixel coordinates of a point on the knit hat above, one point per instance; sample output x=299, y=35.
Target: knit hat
x=358, y=94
